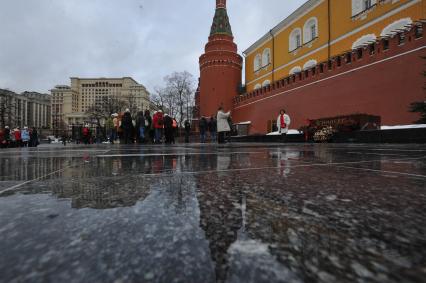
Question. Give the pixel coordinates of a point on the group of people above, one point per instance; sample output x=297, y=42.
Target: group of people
x=144, y=128
x=27, y=137
x=218, y=127
x=207, y=126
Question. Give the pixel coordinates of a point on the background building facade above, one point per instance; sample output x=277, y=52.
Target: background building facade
x=321, y=29
x=71, y=104
x=331, y=58
x=30, y=109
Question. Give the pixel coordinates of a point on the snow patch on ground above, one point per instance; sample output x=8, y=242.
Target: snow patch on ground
x=290, y=132
x=416, y=126
x=244, y=123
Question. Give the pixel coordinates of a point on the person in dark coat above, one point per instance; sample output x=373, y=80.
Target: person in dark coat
x=187, y=131
x=149, y=130
x=34, y=138
x=127, y=126
x=140, y=127
x=6, y=136
x=203, y=128
x=168, y=128
x=213, y=128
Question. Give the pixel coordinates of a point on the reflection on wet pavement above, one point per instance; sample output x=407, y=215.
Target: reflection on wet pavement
x=199, y=213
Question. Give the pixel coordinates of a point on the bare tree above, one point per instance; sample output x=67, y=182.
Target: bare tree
x=165, y=100
x=131, y=104
x=158, y=98
x=7, y=108
x=105, y=107
x=181, y=85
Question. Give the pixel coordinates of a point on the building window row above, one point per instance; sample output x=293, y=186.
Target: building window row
x=361, y=6
x=102, y=84
x=262, y=61
x=310, y=33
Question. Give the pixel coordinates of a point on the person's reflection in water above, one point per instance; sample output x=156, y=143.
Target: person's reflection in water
x=220, y=211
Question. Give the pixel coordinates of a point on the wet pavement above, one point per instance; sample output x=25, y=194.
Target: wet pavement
x=203, y=213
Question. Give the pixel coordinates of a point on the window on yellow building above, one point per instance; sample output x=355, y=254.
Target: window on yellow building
x=310, y=30
x=359, y=6
x=266, y=57
x=257, y=62
x=295, y=40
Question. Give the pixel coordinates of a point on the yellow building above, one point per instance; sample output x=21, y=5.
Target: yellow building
x=321, y=29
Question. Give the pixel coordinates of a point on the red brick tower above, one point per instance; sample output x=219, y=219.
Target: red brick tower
x=220, y=65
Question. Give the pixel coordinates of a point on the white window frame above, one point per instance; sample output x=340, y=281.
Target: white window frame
x=307, y=34
x=359, y=6
x=266, y=57
x=293, y=44
x=257, y=63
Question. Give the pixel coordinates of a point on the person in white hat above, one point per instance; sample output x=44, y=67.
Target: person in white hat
x=25, y=134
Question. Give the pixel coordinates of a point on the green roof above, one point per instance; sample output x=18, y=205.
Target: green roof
x=221, y=23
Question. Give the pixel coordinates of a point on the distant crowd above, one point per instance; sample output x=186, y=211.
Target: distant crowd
x=153, y=129
x=27, y=137
x=123, y=128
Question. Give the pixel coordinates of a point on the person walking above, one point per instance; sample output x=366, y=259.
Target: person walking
x=127, y=126
x=174, y=130
x=140, y=127
x=187, y=131
x=7, y=136
x=283, y=122
x=64, y=138
x=149, y=131
x=86, y=134
x=213, y=128
x=34, y=137
x=25, y=134
x=203, y=127
x=168, y=128
x=222, y=124
x=158, y=121
x=116, y=125
x=18, y=137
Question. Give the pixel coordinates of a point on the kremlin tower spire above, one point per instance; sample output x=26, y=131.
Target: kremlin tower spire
x=220, y=4
x=220, y=66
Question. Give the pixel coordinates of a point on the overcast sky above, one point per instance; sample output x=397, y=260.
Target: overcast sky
x=45, y=42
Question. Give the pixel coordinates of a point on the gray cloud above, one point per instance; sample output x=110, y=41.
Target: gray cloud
x=44, y=42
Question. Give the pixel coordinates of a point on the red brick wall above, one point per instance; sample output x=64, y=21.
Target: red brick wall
x=382, y=84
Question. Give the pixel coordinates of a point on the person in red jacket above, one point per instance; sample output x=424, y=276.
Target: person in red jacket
x=158, y=122
x=18, y=137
